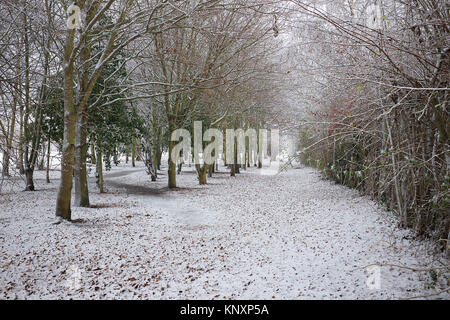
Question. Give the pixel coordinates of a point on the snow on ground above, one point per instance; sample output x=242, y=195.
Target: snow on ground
x=290, y=236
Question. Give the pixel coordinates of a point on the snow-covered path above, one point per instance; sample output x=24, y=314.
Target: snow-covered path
x=155, y=197
x=292, y=236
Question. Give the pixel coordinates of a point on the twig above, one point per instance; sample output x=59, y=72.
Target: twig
x=402, y=267
x=427, y=296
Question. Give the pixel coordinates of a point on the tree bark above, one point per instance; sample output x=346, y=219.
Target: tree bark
x=43, y=157
x=32, y=137
x=29, y=179
x=81, y=147
x=5, y=164
x=260, y=147
x=100, y=180
x=21, y=137
x=202, y=170
x=48, y=160
x=210, y=170
x=156, y=141
x=93, y=157
x=236, y=165
x=9, y=138
x=133, y=152
x=63, y=209
x=172, y=171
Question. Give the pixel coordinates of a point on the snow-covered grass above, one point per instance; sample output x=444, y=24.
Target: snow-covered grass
x=290, y=236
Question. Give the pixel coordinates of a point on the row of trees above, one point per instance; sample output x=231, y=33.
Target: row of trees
x=369, y=79
x=103, y=78
x=380, y=120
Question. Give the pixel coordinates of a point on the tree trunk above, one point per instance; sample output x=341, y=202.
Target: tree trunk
x=32, y=131
x=246, y=148
x=260, y=145
x=116, y=157
x=151, y=166
x=159, y=159
x=81, y=147
x=233, y=170
x=156, y=140
x=63, y=209
x=48, y=160
x=202, y=170
x=172, y=172
x=159, y=149
x=155, y=160
x=43, y=157
x=93, y=158
x=236, y=165
x=5, y=164
x=100, y=180
x=21, y=137
x=149, y=161
x=133, y=152
x=9, y=139
x=210, y=170
x=29, y=179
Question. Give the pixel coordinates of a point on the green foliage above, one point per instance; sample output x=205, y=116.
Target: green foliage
x=112, y=122
x=53, y=110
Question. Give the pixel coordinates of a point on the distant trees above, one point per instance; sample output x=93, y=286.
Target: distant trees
x=192, y=48
x=26, y=64
x=98, y=78
x=193, y=69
